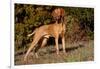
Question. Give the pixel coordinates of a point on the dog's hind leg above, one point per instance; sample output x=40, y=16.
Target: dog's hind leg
x=45, y=38
x=35, y=41
x=43, y=42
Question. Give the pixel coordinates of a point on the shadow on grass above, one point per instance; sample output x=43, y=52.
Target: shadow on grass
x=67, y=49
x=51, y=51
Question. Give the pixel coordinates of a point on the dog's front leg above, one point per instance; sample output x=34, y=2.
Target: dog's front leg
x=63, y=44
x=57, y=48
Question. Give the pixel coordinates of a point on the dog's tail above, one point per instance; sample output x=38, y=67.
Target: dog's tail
x=32, y=33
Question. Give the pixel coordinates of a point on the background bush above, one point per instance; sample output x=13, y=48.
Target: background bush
x=79, y=22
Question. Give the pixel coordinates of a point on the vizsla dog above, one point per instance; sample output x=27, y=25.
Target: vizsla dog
x=52, y=30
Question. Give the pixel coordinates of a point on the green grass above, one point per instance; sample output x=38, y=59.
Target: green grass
x=77, y=52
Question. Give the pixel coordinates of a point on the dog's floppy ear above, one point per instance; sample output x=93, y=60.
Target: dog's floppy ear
x=57, y=13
